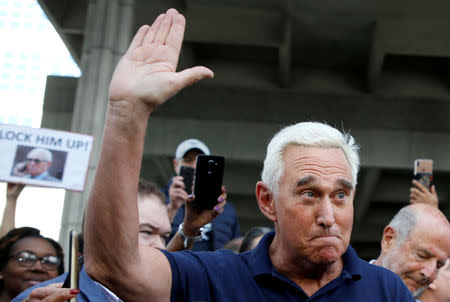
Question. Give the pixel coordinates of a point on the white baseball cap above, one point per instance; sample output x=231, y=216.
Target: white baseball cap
x=190, y=144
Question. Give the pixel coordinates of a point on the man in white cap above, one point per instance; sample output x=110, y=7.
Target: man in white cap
x=214, y=235
x=185, y=155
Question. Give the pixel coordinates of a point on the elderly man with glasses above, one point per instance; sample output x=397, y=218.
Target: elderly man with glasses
x=36, y=166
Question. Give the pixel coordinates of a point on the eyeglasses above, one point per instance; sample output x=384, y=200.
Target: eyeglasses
x=28, y=259
x=35, y=160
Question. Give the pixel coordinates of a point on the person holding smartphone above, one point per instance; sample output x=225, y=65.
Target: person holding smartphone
x=177, y=190
x=224, y=227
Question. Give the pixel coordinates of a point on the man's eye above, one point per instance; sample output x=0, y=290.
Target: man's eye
x=147, y=233
x=421, y=256
x=341, y=195
x=308, y=194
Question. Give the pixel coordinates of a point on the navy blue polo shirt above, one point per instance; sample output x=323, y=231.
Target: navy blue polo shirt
x=225, y=276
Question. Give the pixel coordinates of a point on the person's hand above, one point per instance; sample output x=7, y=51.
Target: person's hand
x=20, y=169
x=177, y=194
x=51, y=293
x=146, y=75
x=194, y=218
x=13, y=191
x=420, y=194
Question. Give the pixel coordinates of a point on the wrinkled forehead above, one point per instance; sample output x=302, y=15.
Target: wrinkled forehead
x=326, y=160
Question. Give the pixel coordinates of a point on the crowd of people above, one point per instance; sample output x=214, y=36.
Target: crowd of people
x=144, y=245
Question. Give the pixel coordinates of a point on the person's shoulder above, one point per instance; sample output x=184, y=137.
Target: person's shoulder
x=27, y=292
x=205, y=259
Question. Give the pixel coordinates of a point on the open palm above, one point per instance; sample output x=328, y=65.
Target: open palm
x=147, y=72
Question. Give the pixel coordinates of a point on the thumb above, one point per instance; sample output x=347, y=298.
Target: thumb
x=193, y=75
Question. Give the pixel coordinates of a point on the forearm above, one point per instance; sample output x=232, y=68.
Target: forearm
x=9, y=216
x=111, y=229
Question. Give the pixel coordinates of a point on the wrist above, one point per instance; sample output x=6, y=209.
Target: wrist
x=186, y=238
x=190, y=230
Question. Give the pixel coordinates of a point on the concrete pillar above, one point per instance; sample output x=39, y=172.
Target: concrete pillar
x=107, y=34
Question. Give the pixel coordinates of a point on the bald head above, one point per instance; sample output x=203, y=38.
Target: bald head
x=415, y=245
x=407, y=219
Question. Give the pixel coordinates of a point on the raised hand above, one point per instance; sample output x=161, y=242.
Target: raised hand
x=420, y=194
x=146, y=75
x=195, y=219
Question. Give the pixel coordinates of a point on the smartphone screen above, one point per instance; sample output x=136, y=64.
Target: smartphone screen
x=208, y=181
x=423, y=172
x=188, y=178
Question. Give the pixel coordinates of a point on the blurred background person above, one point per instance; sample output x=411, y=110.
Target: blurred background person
x=252, y=238
x=215, y=234
x=26, y=259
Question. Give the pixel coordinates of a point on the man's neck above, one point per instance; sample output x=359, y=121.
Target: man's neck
x=309, y=276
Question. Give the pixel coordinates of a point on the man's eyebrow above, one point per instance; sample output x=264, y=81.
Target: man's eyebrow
x=305, y=180
x=345, y=183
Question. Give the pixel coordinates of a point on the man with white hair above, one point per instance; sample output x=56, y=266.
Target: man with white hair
x=307, y=190
x=38, y=161
x=415, y=245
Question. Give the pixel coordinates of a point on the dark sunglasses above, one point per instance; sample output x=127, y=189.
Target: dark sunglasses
x=35, y=160
x=28, y=259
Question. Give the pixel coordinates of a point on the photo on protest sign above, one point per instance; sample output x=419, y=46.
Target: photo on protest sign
x=44, y=157
x=39, y=163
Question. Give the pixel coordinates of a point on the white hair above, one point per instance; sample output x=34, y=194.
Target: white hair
x=404, y=223
x=308, y=134
x=46, y=154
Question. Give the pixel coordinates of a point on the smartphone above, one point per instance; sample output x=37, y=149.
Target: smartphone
x=74, y=268
x=188, y=177
x=208, y=181
x=423, y=172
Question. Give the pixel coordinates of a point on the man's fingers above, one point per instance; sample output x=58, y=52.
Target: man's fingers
x=150, y=36
x=165, y=27
x=176, y=33
x=419, y=186
x=62, y=295
x=43, y=292
x=139, y=37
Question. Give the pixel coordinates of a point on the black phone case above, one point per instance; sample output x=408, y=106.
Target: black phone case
x=188, y=178
x=208, y=181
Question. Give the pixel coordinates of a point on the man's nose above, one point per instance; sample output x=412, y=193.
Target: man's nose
x=429, y=270
x=325, y=215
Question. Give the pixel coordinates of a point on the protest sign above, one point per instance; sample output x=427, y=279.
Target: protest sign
x=44, y=157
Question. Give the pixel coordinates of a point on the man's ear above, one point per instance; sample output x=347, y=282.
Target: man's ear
x=389, y=238
x=266, y=201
